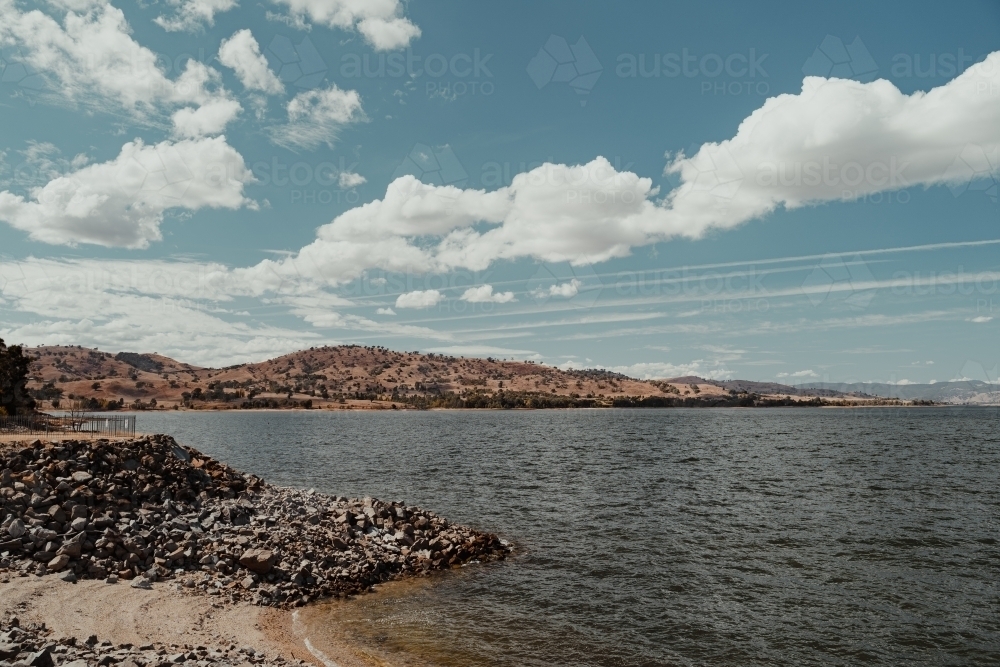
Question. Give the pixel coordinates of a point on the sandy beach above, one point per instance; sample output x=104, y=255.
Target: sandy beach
x=165, y=614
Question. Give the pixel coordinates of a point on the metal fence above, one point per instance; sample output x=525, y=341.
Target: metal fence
x=85, y=425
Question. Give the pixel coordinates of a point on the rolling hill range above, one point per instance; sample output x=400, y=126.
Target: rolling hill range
x=366, y=377
x=966, y=392
x=351, y=376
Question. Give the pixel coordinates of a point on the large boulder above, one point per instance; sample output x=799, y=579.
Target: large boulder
x=16, y=529
x=73, y=547
x=58, y=563
x=259, y=561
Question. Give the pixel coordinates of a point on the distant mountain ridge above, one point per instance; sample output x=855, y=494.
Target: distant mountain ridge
x=965, y=392
x=763, y=388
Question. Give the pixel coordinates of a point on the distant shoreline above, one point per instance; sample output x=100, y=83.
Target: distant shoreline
x=320, y=410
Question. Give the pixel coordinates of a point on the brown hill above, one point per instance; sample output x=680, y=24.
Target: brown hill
x=343, y=376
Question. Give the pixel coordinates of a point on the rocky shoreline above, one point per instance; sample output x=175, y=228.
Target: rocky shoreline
x=139, y=511
x=33, y=645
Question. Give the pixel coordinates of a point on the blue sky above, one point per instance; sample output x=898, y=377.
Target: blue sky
x=799, y=194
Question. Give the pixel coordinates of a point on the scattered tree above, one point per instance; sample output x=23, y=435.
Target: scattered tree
x=14, y=397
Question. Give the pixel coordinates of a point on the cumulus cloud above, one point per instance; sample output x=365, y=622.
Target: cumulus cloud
x=385, y=311
x=565, y=290
x=122, y=202
x=797, y=149
x=316, y=117
x=380, y=22
x=419, y=299
x=838, y=140
x=91, y=58
x=484, y=294
x=388, y=34
x=241, y=53
x=191, y=15
x=349, y=179
x=981, y=319
x=207, y=120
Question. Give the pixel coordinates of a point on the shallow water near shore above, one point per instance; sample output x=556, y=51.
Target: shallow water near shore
x=662, y=537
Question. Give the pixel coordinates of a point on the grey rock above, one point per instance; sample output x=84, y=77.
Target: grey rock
x=58, y=563
x=10, y=545
x=43, y=534
x=73, y=547
x=206, y=526
x=259, y=561
x=40, y=659
x=16, y=529
x=142, y=582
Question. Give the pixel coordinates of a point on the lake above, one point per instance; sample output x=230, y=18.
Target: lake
x=792, y=536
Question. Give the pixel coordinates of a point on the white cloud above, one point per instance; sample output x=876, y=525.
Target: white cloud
x=385, y=311
x=122, y=202
x=838, y=140
x=349, y=179
x=564, y=290
x=379, y=21
x=317, y=116
x=591, y=213
x=981, y=319
x=316, y=307
x=419, y=299
x=655, y=370
x=241, y=53
x=139, y=305
x=388, y=34
x=799, y=374
x=484, y=294
x=192, y=311
x=207, y=120
x=92, y=59
x=191, y=15
x=41, y=163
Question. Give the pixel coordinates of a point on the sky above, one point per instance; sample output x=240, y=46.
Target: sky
x=802, y=194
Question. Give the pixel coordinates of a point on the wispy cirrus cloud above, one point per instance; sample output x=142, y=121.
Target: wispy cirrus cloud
x=192, y=15
x=316, y=117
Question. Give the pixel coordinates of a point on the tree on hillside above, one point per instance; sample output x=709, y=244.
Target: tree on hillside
x=14, y=397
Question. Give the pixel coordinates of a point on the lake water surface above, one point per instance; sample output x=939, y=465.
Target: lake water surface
x=664, y=537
